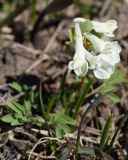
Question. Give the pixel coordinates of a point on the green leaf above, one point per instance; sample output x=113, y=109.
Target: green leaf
x=32, y=97
x=62, y=128
x=105, y=133
x=61, y=118
x=116, y=78
x=59, y=132
x=65, y=128
x=62, y=122
x=86, y=26
x=19, y=107
x=13, y=107
x=21, y=118
x=16, y=86
x=114, y=98
x=27, y=105
x=8, y=118
x=38, y=120
x=15, y=123
x=106, y=88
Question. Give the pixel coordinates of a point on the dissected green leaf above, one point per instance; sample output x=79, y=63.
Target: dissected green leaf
x=61, y=118
x=16, y=122
x=116, y=78
x=13, y=107
x=16, y=86
x=61, y=129
x=62, y=122
x=28, y=106
x=106, y=88
x=38, y=120
x=21, y=118
x=65, y=128
x=19, y=107
x=59, y=132
x=114, y=98
x=8, y=118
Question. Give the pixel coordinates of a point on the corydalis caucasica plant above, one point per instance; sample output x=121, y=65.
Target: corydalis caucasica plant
x=93, y=48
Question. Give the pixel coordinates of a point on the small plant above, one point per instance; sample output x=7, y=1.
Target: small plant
x=62, y=123
x=21, y=112
x=94, y=57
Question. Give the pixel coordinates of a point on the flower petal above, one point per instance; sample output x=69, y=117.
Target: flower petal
x=111, y=53
x=112, y=59
x=101, y=73
x=99, y=44
x=82, y=70
x=106, y=28
x=79, y=20
x=102, y=69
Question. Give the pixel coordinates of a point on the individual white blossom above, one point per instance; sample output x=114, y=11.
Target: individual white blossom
x=106, y=28
x=79, y=63
x=102, y=69
x=102, y=56
x=109, y=51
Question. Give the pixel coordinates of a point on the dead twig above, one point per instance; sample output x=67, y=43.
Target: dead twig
x=44, y=56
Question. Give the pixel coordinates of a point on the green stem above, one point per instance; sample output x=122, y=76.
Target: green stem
x=81, y=86
x=82, y=93
x=51, y=143
x=43, y=110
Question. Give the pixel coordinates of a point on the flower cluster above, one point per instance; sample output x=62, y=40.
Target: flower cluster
x=93, y=48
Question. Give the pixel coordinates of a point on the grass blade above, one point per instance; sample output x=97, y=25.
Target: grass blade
x=105, y=133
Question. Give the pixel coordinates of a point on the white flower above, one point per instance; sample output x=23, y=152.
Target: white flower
x=108, y=56
x=79, y=63
x=102, y=55
x=106, y=28
x=109, y=51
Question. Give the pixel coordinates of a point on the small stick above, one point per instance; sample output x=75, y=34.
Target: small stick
x=43, y=56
